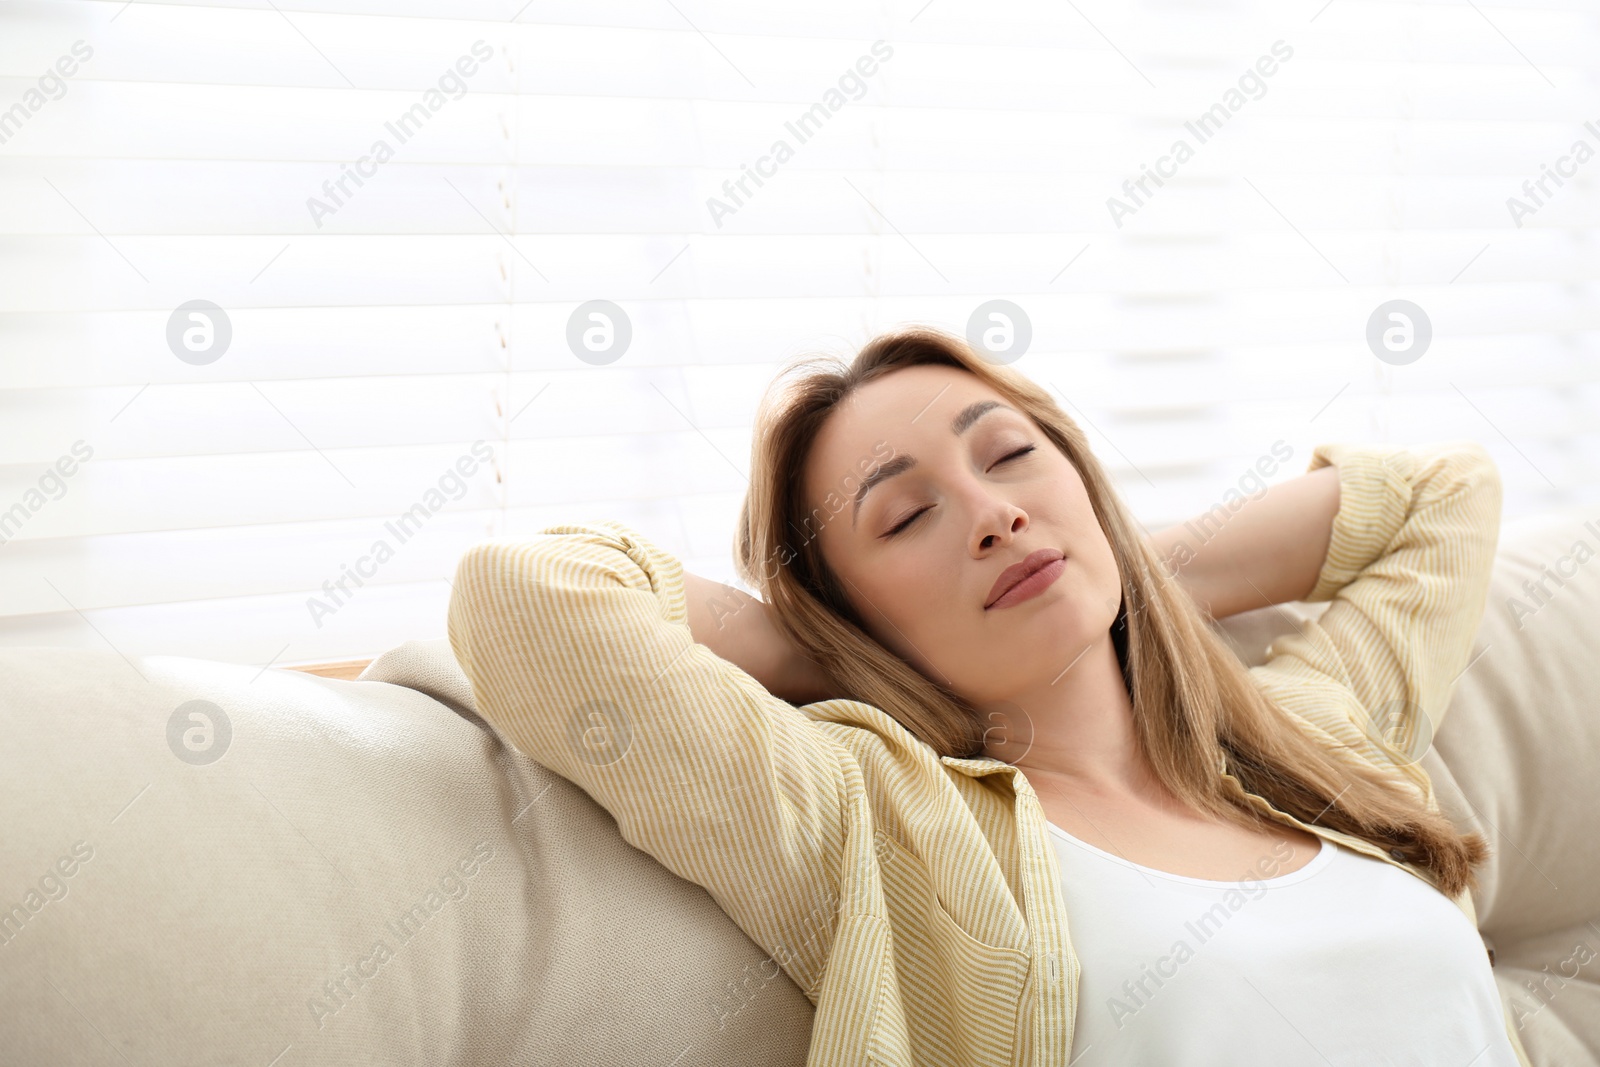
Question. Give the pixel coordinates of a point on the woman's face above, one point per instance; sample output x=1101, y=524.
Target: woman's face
x=958, y=487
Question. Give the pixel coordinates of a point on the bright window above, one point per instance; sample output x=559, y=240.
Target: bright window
x=393, y=213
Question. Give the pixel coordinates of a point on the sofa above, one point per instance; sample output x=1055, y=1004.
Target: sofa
x=208, y=862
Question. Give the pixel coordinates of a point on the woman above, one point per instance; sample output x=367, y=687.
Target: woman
x=1033, y=809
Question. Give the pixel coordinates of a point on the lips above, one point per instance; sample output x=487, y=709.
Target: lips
x=1017, y=572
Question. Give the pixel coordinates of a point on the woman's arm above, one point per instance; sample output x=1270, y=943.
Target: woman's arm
x=580, y=655
x=740, y=629
x=1406, y=580
x=1269, y=550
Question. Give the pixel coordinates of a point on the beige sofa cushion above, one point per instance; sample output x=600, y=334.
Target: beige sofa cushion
x=168, y=911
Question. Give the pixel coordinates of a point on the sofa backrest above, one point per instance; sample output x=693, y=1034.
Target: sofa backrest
x=209, y=862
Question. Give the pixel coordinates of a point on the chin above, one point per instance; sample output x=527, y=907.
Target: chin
x=1058, y=641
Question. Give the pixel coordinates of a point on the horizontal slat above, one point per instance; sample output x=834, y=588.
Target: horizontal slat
x=127, y=570
x=374, y=415
x=40, y=577
x=758, y=48
x=257, y=628
x=192, y=492
x=254, y=630
x=113, y=120
x=730, y=16
x=256, y=202
x=1356, y=269
x=1539, y=282
x=43, y=350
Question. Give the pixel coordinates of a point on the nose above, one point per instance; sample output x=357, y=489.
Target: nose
x=998, y=524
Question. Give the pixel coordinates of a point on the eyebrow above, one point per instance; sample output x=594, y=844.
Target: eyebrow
x=903, y=462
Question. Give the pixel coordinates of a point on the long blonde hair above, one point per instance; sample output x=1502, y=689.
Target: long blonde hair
x=1193, y=700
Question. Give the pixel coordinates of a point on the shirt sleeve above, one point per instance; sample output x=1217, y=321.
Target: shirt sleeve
x=578, y=648
x=1407, y=574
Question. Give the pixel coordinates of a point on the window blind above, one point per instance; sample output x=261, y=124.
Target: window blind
x=287, y=290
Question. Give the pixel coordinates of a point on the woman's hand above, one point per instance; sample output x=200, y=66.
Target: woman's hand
x=741, y=629
x=1270, y=551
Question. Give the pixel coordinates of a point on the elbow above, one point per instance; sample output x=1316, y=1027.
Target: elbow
x=478, y=592
x=1462, y=484
x=1479, y=464
x=1463, y=468
x=462, y=613
x=1477, y=475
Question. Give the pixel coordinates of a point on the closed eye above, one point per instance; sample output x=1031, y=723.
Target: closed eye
x=1019, y=452
x=915, y=515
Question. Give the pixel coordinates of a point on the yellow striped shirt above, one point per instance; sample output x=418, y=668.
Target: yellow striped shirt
x=915, y=899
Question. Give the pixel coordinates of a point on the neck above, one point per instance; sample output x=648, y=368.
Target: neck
x=1073, y=727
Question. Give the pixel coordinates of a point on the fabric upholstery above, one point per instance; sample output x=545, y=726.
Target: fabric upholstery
x=217, y=901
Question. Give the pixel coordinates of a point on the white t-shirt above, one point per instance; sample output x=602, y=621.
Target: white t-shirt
x=1346, y=961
